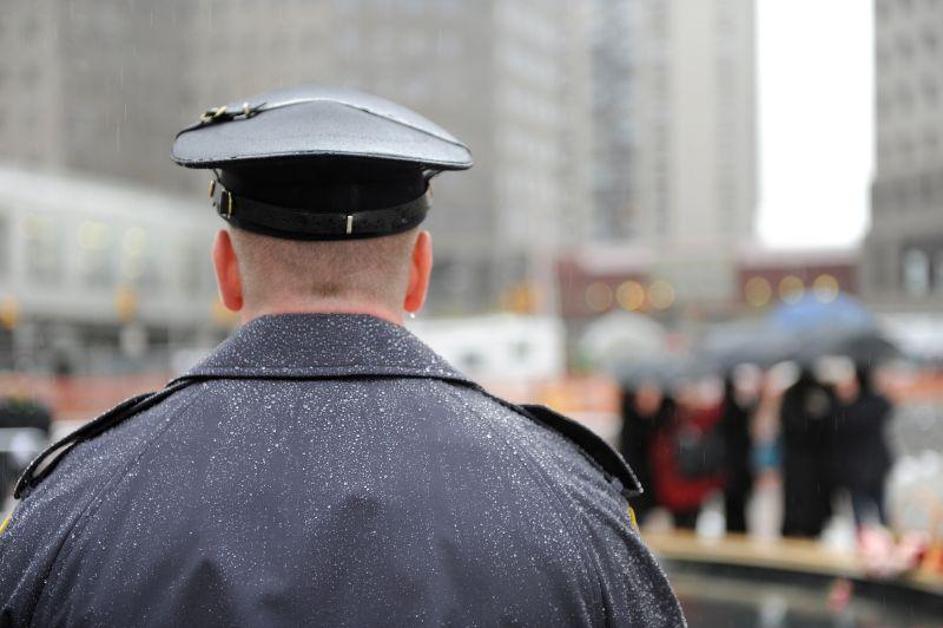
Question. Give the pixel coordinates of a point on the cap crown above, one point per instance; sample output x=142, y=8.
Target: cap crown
x=313, y=121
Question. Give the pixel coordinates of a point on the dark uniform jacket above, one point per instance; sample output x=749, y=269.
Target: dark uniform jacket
x=330, y=470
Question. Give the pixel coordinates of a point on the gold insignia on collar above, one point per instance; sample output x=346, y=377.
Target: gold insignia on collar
x=6, y=523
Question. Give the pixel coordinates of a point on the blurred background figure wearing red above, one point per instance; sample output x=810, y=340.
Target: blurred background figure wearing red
x=687, y=458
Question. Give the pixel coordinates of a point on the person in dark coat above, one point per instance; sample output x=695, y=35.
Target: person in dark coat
x=643, y=410
x=323, y=466
x=735, y=421
x=805, y=414
x=861, y=457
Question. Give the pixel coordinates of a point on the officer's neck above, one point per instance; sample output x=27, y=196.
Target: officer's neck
x=326, y=306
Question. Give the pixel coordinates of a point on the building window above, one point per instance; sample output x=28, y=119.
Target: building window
x=96, y=252
x=879, y=266
x=930, y=40
x=197, y=270
x=4, y=244
x=905, y=149
x=659, y=20
x=882, y=9
x=938, y=271
x=925, y=187
x=931, y=92
x=881, y=56
x=916, y=272
x=931, y=141
x=905, y=96
x=905, y=47
x=140, y=264
x=43, y=240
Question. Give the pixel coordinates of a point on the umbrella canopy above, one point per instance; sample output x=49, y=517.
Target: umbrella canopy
x=665, y=371
x=812, y=316
x=619, y=337
x=820, y=328
x=866, y=348
x=747, y=342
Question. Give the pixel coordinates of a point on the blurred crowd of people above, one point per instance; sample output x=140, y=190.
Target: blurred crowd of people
x=821, y=435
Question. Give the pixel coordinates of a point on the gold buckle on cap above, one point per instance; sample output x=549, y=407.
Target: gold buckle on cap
x=225, y=196
x=212, y=113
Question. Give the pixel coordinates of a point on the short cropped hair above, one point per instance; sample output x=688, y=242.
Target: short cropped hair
x=372, y=269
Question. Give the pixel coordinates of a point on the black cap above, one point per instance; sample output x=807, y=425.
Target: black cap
x=317, y=163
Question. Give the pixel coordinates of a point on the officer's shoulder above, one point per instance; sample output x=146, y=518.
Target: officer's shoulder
x=91, y=450
x=577, y=440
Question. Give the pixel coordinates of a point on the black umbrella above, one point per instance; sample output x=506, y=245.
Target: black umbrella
x=747, y=342
x=866, y=348
x=664, y=371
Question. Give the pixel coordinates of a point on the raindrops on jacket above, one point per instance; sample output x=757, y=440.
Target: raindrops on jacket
x=328, y=469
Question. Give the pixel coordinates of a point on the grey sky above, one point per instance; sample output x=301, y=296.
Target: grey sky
x=815, y=64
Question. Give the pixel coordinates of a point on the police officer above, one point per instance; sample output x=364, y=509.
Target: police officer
x=323, y=466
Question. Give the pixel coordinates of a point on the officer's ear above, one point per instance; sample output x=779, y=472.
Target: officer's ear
x=228, y=279
x=420, y=266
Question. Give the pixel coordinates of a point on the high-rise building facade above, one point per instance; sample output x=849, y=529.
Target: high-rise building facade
x=676, y=146
x=613, y=40
x=101, y=86
x=903, y=257
x=694, y=119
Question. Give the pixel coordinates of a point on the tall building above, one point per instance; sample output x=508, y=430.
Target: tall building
x=612, y=41
x=676, y=145
x=101, y=86
x=903, y=256
x=88, y=267
x=694, y=120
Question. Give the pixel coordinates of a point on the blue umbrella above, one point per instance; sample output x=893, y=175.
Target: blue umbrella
x=811, y=315
x=820, y=326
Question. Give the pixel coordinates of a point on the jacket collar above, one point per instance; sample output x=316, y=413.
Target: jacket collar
x=314, y=346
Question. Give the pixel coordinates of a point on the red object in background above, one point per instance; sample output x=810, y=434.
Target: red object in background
x=673, y=489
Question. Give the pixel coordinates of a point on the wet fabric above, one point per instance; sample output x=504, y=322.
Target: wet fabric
x=807, y=480
x=328, y=470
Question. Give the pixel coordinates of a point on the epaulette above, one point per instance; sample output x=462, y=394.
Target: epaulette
x=45, y=463
x=597, y=451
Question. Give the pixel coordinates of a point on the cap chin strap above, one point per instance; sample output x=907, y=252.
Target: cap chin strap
x=314, y=224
